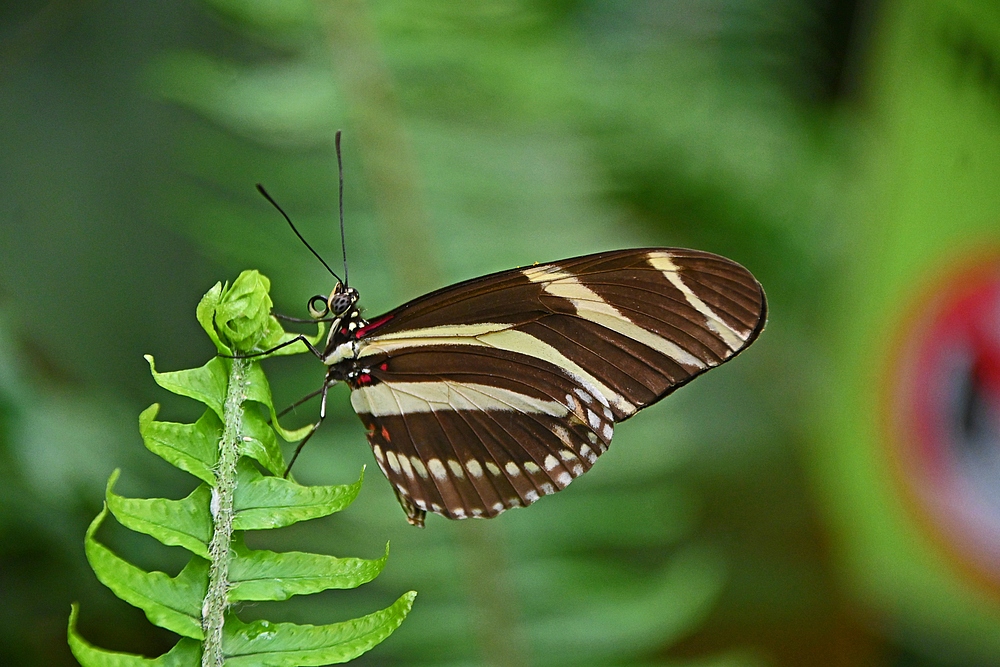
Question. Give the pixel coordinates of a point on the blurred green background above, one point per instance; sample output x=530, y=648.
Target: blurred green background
x=723, y=526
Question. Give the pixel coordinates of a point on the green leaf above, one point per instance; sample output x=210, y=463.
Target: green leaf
x=259, y=443
x=266, y=644
x=173, y=603
x=273, y=502
x=193, y=448
x=186, y=522
x=205, y=312
x=259, y=390
x=267, y=575
x=242, y=314
x=206, y=384
x=185, y=653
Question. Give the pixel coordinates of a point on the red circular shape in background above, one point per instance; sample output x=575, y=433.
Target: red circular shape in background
x=946, y=412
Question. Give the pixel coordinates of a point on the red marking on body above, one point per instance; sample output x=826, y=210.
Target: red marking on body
x=385, y=434
x=371, y=326
x=364, y=379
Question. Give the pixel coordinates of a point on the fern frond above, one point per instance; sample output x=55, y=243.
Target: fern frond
x=226, y=449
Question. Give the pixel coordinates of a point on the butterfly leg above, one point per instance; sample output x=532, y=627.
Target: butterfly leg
x=304, y=320
x=308, y=397
x=322, y=416
x=312, y=348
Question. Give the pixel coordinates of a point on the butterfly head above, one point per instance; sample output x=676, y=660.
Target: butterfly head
x=340, y=302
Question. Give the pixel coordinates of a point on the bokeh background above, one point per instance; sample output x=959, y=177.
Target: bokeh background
x=831, y=497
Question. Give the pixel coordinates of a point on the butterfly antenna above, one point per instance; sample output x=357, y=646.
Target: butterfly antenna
x=260, y=189
x=340, y=201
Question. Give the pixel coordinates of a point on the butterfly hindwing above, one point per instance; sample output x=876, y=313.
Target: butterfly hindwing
x=488, y=394
x=485, y=431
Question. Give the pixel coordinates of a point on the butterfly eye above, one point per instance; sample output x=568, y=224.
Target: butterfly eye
x=318, y=307
x=341, y=303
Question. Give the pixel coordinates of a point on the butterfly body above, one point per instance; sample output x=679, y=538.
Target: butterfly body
x=488, y=394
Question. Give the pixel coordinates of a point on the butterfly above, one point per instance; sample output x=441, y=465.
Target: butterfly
x=493, y=392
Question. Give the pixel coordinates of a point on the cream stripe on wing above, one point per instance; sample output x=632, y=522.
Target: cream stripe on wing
x=433, y=334
x=401, y=398
x=661, y=261
x=501, y=337
x=590, y=306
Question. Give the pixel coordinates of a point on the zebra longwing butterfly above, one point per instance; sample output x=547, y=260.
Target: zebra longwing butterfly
x=493, y=392
x=496, y=391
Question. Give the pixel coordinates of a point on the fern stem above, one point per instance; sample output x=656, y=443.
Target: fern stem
x=216, y=599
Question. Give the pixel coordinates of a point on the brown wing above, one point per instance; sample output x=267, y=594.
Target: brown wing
x=498, y=370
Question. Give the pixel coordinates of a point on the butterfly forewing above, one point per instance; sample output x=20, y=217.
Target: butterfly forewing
x=493, y=392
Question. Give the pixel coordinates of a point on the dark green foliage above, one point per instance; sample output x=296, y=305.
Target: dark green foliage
x=224, y=449
x=522, y=131
x=536, y=129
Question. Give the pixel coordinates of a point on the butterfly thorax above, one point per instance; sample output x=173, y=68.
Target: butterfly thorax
x=342, y=343
x=343, y=349
x=347, y=365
